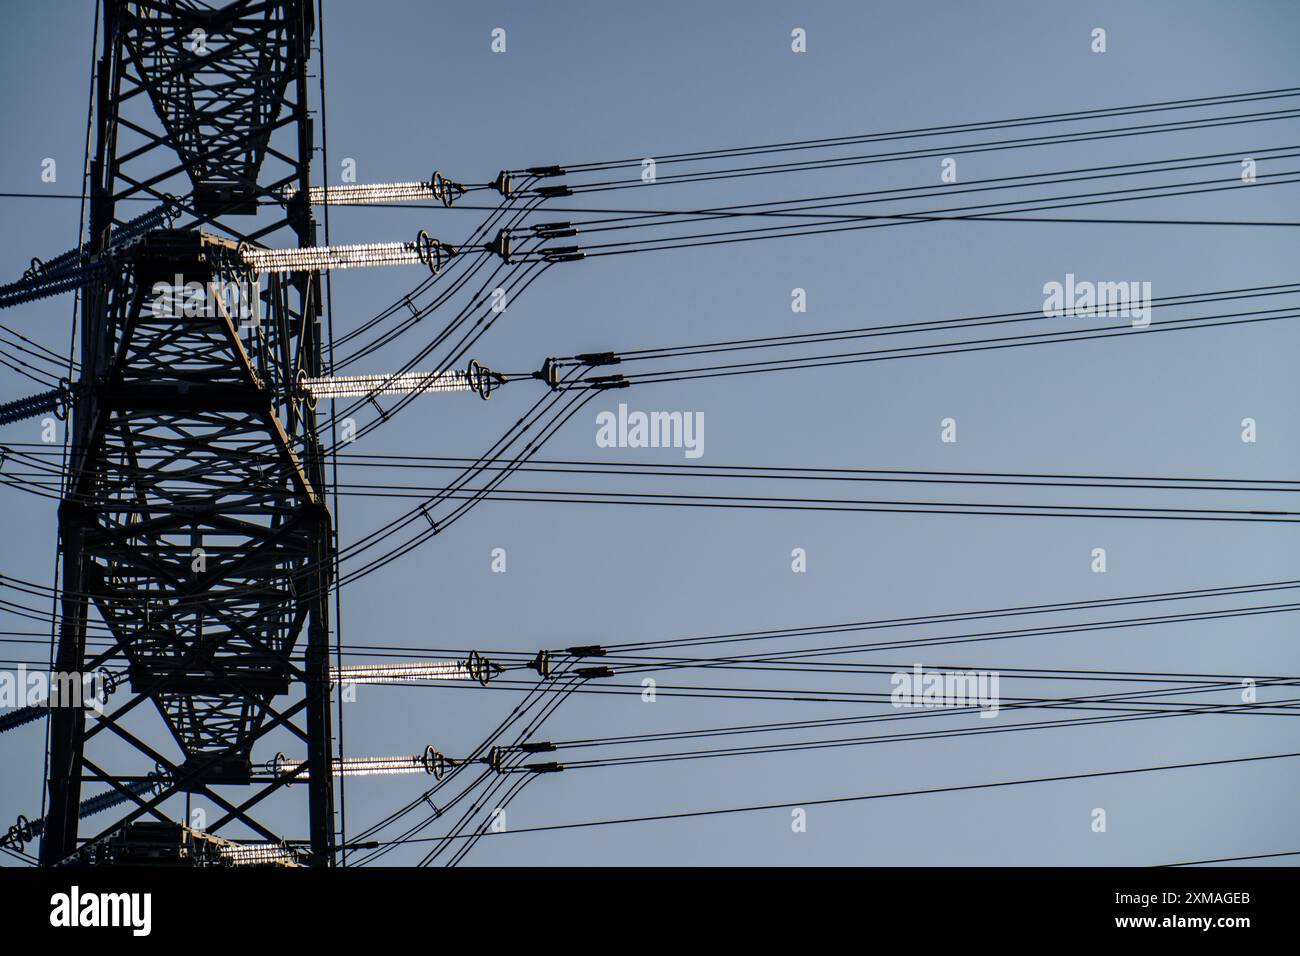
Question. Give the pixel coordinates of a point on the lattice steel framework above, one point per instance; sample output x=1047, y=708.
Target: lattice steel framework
x=193, y=520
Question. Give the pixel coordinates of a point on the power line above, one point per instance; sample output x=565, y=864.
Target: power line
x=857, y=798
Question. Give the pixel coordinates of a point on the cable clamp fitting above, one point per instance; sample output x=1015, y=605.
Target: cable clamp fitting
x=544, y=767
x=501, y=245
x=598, y=358
x=554, y=230
x=550, y=374
x=601, y=382
x=563, y=254
x=542, y=664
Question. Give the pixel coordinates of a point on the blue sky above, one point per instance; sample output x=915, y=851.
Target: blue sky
x=415, y=86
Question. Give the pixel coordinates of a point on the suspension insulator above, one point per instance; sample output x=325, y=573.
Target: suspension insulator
x=23, y=715
x=29, y=407
x=29, y=289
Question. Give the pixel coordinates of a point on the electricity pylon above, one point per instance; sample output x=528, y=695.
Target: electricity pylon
x=194, y=517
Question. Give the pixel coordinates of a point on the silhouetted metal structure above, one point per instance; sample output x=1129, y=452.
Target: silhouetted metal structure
x=193, y=518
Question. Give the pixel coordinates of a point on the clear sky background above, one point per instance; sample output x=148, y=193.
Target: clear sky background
x=414, y=86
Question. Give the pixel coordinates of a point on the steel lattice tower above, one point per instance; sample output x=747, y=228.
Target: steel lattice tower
x=193, y=517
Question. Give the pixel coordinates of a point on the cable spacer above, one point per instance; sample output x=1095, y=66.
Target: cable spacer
x=424, y=510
